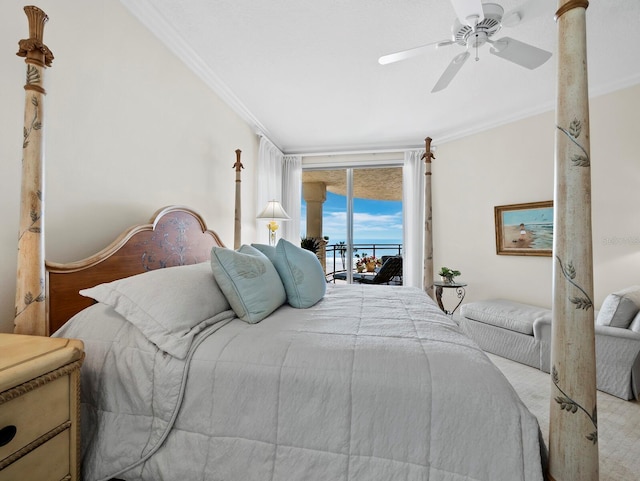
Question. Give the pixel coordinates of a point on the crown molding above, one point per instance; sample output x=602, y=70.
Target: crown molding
x=145, y=12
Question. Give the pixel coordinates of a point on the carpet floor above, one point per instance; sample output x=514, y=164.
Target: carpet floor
x=618, y=420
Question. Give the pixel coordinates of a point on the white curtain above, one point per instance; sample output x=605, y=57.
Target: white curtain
x=292, y=196
x=269, y=176
x=413, y=172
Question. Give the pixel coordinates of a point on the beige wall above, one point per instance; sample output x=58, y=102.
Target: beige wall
x=129, y=129
x=514, y=164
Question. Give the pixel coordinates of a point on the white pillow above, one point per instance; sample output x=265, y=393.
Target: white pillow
x=300, y=272
x=249, y=281
x=170, y=306
x=619, y=308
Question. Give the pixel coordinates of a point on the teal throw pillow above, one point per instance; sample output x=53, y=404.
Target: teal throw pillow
x=267, y=250
x=249, y=281
x=300, y=272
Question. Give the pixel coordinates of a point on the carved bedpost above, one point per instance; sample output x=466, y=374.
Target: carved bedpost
x=237, y=237
x=573, y=431
x=428, y=232
x=30, y=314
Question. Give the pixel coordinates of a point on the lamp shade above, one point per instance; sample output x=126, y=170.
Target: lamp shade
x=274, y=211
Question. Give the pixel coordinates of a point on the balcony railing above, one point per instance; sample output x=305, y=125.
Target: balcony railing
x=335, y=255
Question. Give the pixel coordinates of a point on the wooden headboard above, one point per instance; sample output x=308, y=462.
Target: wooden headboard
x=174, y=236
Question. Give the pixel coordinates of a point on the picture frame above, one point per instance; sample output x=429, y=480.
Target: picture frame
x=524, y=229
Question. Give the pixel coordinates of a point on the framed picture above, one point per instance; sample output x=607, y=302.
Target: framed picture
x=524, y=229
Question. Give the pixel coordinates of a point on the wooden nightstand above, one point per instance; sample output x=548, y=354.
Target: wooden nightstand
x=39, y=408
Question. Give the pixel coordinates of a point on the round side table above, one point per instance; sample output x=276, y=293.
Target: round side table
x=459, y=290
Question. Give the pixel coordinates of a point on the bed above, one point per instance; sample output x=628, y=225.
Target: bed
x=370, y=382
x=183, y=381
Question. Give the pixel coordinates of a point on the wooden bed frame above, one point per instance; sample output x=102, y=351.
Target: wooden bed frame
x=174, y=236
x=46, y=298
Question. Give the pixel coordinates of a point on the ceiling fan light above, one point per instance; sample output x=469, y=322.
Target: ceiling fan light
x=476, y=40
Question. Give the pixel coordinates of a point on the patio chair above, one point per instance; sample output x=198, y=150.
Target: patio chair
x=389, y=273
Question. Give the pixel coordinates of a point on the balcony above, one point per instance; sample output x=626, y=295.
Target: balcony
x=335, y=260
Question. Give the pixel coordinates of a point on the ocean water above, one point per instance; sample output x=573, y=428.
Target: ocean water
x=368, y=242
x=542, y=235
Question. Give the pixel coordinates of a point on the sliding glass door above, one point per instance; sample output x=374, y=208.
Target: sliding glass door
x=352, y=212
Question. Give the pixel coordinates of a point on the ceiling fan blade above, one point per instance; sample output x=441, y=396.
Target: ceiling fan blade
x=451, y=71
x=412, y=52
x=469, y=12
x=519, y=53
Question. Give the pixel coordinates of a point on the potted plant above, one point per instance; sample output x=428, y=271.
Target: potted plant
x=447, y=275
x=366, y=262
x=310, y=244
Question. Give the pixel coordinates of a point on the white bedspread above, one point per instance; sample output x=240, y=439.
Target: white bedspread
x=372, y=383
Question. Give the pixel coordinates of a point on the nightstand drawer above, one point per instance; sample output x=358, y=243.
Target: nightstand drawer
x=39, y=408
x=49, y=462
x=35, y=413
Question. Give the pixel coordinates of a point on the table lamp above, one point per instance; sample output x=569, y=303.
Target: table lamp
x=274, y=212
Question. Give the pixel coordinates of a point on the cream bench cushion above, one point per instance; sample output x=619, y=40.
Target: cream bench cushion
x=510, y=315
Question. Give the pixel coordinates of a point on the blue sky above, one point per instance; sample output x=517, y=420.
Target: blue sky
x=373, y=220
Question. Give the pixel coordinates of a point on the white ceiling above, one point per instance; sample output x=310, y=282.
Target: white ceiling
x=305, y=72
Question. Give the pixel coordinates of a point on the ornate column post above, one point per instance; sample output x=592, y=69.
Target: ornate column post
x=237, y=232
x=315, y=194
x=428, y=231
x=573, y=431
x=30, y=311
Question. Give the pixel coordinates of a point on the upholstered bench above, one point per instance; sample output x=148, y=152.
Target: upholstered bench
x=522, y=332
x=505, y=328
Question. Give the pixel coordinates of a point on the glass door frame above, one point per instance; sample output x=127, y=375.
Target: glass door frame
x=349, y=167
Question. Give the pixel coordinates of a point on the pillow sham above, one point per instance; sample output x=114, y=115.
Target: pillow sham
x=249, y=281
x=170, y=306
x=300, y=272
x=619, y=308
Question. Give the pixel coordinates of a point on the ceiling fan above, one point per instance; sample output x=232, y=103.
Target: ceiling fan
x=475, y=25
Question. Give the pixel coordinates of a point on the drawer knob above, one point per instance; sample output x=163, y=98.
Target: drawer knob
x=7, y=433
